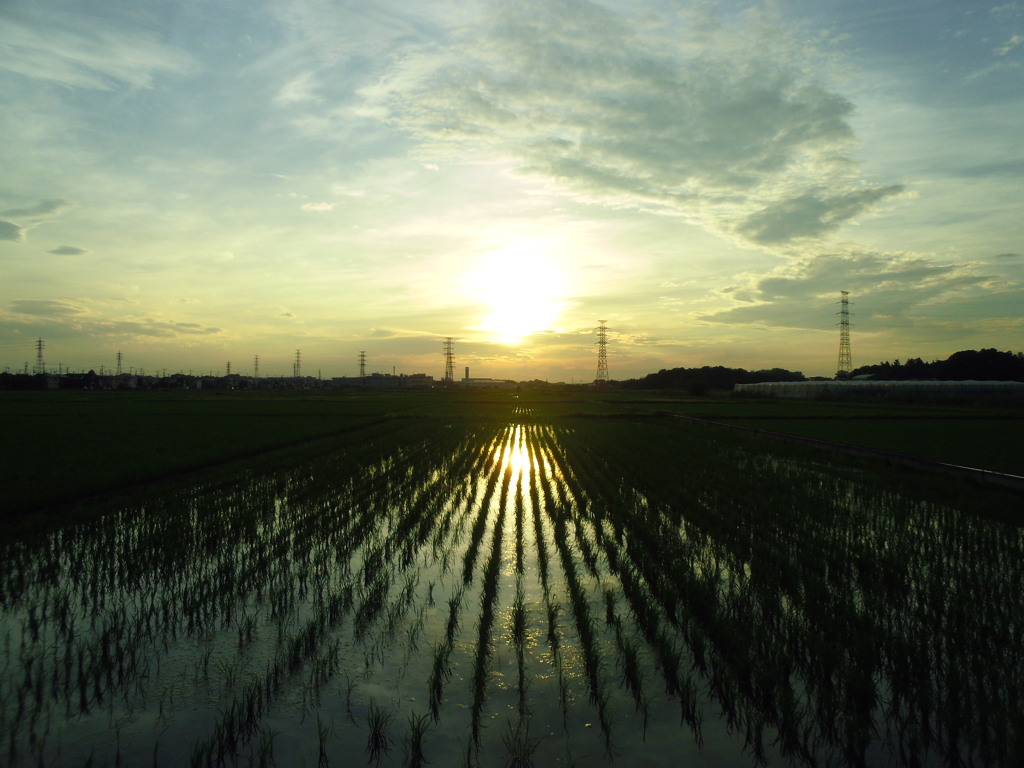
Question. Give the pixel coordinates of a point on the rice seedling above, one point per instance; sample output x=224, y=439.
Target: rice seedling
x=378, y=741
x=440, y=671
x=323, y=732
x=519, y=747
x=553, y=609
x=414, y=742
x=347, y=697
x=488, y=599
x=265, y=752
x=518, y=620
x=820, y=612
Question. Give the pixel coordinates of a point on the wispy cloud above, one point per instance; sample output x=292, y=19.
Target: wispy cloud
x=92, y=318
x=45, y=307
x=33, y=214
x=41, y=210
x=76, y=51
x=575, y=94
x=883, y=284
x=811, y=214
x=1015, y=41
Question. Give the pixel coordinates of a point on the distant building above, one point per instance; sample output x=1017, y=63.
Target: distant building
x=489, y=383
x=384, y=381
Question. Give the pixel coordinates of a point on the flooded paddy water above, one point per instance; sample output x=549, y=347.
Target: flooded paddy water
x=519, y=592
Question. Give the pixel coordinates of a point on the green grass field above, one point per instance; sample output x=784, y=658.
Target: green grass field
x=981, y=437
x=61, y=447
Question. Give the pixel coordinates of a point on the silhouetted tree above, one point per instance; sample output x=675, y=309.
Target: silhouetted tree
x=979, y=365
x=699, y=380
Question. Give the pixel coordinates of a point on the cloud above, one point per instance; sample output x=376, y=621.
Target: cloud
x=85, y=318
x=41, y=210
x=34, y=214
x=1008, y=256
x=44, y=307
x=11, y=231
x=68, y=250
x=1014, y=42
x=321, y=207
x=573, y=92
x=811, y=214
x=148, y=327
x=82, y=52
x=194, y=328
x=881, y=284
x=301, y=88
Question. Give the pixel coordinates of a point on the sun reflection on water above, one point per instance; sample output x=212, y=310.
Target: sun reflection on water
x=513, y=454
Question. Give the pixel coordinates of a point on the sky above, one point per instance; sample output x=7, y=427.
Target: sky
x=196, y=184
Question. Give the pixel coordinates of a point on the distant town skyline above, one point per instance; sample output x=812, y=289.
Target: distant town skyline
x=192, y=184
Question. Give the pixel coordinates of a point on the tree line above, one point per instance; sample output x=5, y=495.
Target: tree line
x=967, y=365
x=698, y=380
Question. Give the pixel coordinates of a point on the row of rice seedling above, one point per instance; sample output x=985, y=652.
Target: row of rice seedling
x=381, y=594
x=564, y=512
x=500, y=574
x=279, y=564
x=823, y=612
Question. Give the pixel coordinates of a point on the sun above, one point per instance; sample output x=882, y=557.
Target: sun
x=520, y=288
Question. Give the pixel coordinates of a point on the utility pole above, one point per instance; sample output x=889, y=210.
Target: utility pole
x=40, y=365
x=845, y=362
x=449, y=360
x=602, y=353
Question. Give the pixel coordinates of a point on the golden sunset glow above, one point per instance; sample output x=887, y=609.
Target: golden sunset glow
x=521, y=290
x=195, y=184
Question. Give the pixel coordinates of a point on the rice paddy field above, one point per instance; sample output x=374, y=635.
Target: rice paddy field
x=517, y=582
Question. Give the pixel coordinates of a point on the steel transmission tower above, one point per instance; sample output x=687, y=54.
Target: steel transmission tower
x=362, y=365
x=602, y=352
x=256, y=366
x=845, y=362
x=40, y=365
x=449, y=360
x=297, y=365
x=119, y=359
